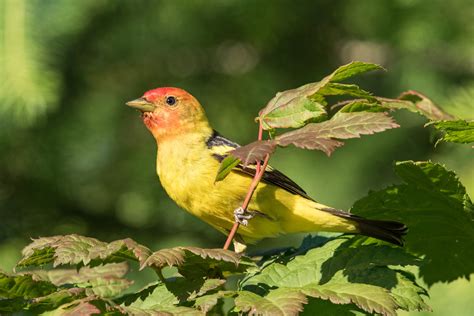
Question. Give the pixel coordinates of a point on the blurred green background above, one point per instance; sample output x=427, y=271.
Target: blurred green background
x=75, y=159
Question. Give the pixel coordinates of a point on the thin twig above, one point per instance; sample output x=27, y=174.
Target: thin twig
x=256, y=179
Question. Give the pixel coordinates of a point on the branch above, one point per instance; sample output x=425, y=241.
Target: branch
x=260, y=170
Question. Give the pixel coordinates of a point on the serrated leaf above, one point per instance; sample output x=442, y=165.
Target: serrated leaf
x=434, y=205
x=208, y=302
x=105, y=287
x=68, y=276
x=322, y=135
x=345, y=89
x=279, y=302
x=190, y=289
x=254, y=152
x=372, y=299
x=226, y=166
x=353, y=69
x=75, y=249
x=23, y=292
x=23, y=286
x=459, y=131
x=337, y=272
x=105, y=280
x=16, y=290
x=157, y=311
x=295, y=113
x=194, y=262
x=160, y=297
x=294, y=108
x=416, y=102
x=361, y=106
x=142, y=294
x=321, y=307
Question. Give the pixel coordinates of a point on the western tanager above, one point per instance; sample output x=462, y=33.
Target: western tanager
x=189, y=155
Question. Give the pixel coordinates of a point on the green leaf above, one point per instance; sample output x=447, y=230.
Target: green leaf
x=160, y=297
x=344, y=274
x=161, y=311
x=434, y=205
x=25, y=292
x=279, y=302
x=54, y=300
x=208, y=302
x=296, y=107
x=66, y=276
x=189, y=289
x=295, y=113
x=193, y=262
x=361, y=106
x=226, y=166
x=458, y=131
x=353, y=69
x=345, y=89
x=321, y=307
x=16, y=290
x=142, y=294
x=105, y=280
x=75, y=249
x=23, y=286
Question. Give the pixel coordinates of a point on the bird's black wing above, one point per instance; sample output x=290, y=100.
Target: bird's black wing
x=221, y=146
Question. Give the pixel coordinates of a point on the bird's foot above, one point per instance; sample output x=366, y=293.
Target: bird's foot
x=242, y=216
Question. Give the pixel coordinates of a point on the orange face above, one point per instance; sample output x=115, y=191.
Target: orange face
x=168, y=112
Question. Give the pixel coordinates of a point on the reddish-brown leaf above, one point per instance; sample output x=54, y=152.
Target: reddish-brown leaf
x=254, y=152
x=322, y=136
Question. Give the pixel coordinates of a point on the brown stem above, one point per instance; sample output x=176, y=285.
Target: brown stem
x=256, y=179
x=246, y=202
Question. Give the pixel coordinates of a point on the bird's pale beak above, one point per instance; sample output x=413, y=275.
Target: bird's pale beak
x=142, y=105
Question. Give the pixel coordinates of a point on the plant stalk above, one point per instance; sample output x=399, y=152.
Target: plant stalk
x=256, y=179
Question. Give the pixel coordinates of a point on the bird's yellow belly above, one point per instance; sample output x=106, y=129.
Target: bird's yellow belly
x=194, y=190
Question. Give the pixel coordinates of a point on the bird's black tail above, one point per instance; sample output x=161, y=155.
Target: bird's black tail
x=390, y=231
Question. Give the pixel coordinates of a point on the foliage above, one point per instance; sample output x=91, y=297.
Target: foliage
x=307, y=109
x=94, y=279
x=459, y=131
x=73, y=274
x=431, y=199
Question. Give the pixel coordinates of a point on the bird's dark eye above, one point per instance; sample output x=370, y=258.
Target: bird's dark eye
x=170, y=100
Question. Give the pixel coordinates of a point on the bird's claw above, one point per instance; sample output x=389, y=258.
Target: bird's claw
x=242, y=216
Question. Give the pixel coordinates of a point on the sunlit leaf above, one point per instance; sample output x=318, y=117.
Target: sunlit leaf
x=296, y=107
x=279, y=302
x=75, y=249
x=344, y=274
x=362, y=106
x=194, y=262
x=458, y=131
x=353, y=69
x=345, y=89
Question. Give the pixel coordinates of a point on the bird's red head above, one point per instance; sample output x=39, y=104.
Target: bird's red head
x=169, y=112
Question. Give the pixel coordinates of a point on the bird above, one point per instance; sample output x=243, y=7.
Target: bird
x=189, y=153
